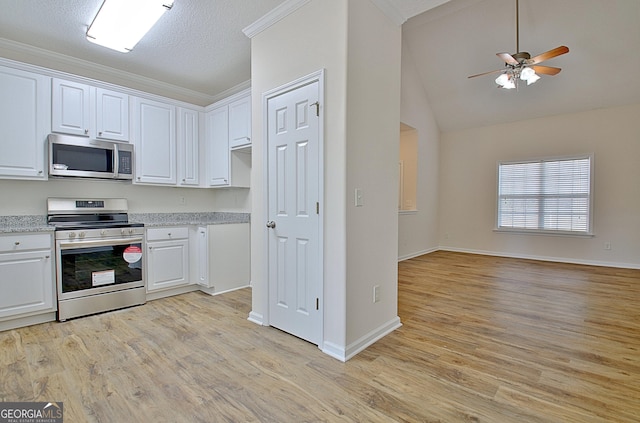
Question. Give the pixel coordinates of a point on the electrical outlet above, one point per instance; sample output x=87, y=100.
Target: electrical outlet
x=376, y=294
x=182, y=201
x=607, y=245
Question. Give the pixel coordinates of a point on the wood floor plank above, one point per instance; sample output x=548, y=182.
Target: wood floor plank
x=484, y=339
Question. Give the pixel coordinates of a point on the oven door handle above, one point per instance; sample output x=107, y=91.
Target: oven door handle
x=65, y=245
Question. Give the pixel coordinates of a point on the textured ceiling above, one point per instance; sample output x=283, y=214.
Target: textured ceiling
x=199, y=45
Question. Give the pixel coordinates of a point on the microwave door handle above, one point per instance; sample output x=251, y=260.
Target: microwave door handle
x=116, y=161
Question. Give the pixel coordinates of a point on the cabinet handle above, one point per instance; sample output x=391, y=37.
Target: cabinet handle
x=86, y=131
x=39, y=172
x=100, y=133
x=150, y=248
x=248, y=139
x=17, y=243
x=47, y=257
x=169, y=234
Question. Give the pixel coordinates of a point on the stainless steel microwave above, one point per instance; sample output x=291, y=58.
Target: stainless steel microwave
x=88, y=158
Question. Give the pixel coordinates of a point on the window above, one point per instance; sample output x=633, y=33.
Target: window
x=545, y=195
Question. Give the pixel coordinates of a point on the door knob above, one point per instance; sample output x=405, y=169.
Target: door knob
x=271, y=224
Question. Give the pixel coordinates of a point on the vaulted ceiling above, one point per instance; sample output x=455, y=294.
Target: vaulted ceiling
x=200, y=46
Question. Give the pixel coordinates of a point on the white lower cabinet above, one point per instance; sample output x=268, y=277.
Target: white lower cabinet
x=223, y=259
x=26, y=276
x=167, y=258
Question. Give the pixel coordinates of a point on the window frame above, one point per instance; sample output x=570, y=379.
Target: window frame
x=538, y=231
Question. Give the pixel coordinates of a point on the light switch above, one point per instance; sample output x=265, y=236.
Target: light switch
x=358, y=197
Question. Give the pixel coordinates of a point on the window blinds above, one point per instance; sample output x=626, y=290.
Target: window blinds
x=545, y=195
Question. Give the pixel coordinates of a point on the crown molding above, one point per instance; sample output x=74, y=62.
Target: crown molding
x=271, y=18
x=61, y=62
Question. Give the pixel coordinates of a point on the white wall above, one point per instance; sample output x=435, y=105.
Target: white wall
x=29, y=197
x=418, y=232
x=311, y=38
x=468, y=163
x=360, y=51
x=373, y=148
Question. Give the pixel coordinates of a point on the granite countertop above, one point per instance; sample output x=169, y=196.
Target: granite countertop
x=26, y=223
x=181, y=219
x=38, y=223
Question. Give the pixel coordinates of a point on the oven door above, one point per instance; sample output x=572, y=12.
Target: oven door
x=91, y=267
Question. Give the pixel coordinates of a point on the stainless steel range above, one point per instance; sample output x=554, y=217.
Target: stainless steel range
x=99, y=256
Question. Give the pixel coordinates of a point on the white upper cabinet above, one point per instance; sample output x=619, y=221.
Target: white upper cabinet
x=70, y=107
x=154, y=136
x=80, y=109
x=188, y=147
x=240, y=123
x=217, y=135
x=228, y=141
x=112, y=115
x=25, y=119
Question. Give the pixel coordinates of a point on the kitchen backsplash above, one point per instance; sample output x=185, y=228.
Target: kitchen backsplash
x=29, y=197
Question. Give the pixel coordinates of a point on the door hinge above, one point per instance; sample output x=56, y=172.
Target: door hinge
x=317, y=207
x=317, y=104
x=317, y=303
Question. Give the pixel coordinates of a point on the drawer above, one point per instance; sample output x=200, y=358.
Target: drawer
x=24, y=242
x=157, y=234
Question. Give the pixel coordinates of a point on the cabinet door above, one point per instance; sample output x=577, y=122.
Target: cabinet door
x=240, y=123
x=26, y=283
x=167, y=264
x=112, y=115
x=25, y=119
x=188, y=147
x=155, y=142
x=70, y=108
x=217, y=126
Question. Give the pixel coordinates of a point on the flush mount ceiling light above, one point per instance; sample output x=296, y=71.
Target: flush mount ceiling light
x=521, y=66
x=120, y=24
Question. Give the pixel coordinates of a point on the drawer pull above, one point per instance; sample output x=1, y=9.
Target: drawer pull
x=17, y=243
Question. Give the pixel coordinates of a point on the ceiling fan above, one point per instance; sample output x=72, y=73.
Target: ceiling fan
x=521, y=66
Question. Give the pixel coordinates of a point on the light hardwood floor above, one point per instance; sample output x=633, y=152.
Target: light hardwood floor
x=484, y=339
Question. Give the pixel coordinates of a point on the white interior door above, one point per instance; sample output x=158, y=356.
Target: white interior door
x=294, y=185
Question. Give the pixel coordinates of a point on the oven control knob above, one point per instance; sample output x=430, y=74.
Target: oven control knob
x=103, y=232
x=81, y=234
x=72, y=235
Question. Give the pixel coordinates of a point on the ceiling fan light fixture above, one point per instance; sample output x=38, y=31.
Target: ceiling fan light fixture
x=502, y=80
x=533, y=78
x=509, y=85
x=526, y=73
x=120, y=24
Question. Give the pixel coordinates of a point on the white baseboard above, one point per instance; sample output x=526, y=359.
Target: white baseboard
x=418, y=253
x=256, y=318
x=213, y=292
x=543, y=258
x=170, y=292
x=28, y=321
x=343, y=354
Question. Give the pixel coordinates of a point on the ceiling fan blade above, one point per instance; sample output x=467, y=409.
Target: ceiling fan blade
x=486, y=73
x=548, y=55
x=507, y=58
x=546, y=70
